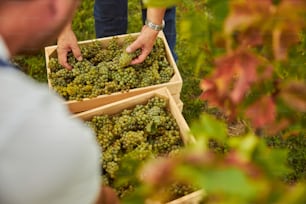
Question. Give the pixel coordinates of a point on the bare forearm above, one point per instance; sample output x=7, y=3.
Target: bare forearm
x=156, y=15
x=66, y=29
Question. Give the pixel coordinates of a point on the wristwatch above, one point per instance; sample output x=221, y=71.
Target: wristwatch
x=155, y=26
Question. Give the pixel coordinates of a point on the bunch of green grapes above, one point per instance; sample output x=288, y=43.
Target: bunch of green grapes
x=102, y=55
x=169, y=140
x=150, y=75
x=114, y=47
x=166, y=74
x=90, y=50
x=105, y=70
x=158, y=102
x=145, y=131
x=54, y=65
x=132, y=139
x=125, y=58
x=124, y=123
x=127, y=78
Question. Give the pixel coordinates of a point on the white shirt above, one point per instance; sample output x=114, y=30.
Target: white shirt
x=45, y=156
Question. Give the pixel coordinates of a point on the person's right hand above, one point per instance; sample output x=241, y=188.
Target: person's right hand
x=66, y=43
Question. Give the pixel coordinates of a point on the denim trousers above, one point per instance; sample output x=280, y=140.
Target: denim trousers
x=111, y=19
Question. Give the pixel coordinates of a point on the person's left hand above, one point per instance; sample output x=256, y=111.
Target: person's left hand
x=145, y=42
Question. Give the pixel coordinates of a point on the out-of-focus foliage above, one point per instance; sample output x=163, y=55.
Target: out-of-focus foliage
x=159, y=3
x=253, y=51
x=257, y=38
x=249, y=172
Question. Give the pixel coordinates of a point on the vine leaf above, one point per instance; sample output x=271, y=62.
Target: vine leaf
x=262, y=112
x=294, y=95
x=287, y=26
x=231, y=79
x=245, y=14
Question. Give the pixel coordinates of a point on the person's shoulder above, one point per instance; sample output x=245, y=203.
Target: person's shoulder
x=20, y=91
x=37, y=130
x=36, y=110
x=16, y=82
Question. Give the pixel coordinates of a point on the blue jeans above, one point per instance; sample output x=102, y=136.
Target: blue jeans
x=111, y=19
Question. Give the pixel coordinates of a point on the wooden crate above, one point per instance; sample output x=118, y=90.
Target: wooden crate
x=180, y=105
x=131, y=102
x=128, y=103
x=174, y=85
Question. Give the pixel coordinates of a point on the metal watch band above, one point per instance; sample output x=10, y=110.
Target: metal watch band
x=155, y=26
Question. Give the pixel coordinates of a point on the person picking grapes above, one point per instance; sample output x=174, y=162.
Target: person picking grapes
x=111, y=19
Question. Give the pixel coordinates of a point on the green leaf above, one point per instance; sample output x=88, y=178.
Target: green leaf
x=210, y=128
x=229, y=181
x=219, y=10
x=245, y=145
x=160, y=3
x=272, y=160
x=138, y=196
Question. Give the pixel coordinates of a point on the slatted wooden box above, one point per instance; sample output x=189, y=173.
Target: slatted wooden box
x=128, y=103
x=174, y=85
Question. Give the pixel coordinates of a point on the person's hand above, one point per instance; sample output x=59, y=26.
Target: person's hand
x=107, y=196
x=145, y=42
x=66, y=43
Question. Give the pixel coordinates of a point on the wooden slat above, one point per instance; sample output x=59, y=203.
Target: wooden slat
x=192, y=198
x=118, y=106
x=131, y=102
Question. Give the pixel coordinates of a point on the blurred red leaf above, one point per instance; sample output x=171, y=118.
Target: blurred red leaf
x=289, y=20
x=283, y=38
x=273, y=28
x=277, y=126
x=233, y=158
x=251, y=37
x=246, y=13
x=262, y=113
x=246, y=74
x=231, y=79
x=158, y=172
x=294, y=95
x=260, y=20
x=210, y=93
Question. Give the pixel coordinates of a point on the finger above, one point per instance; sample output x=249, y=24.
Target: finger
x=77, y=52
x=133, y=47
x=62, y=58
x=141, y=57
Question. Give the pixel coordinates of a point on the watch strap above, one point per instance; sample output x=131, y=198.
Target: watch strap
x=154, y=26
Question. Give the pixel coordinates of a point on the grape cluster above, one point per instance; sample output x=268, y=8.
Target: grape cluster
x=126, y=58
x=105, y=70
x=146, y=131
